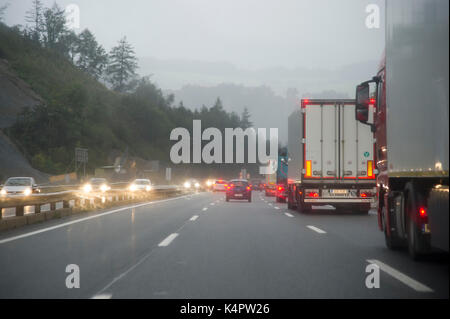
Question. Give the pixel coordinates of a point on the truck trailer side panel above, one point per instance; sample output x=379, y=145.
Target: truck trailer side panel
x=417, y=66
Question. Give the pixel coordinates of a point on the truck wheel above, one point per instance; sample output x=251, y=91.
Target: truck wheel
x=278, y=199
x=227, y=199
x=304, y=208
x=418, y=243
x=392, y=242
x=250, y=199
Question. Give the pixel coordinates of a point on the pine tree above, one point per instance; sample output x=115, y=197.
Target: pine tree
x=35, y=17
x=55, y=28
x=91, y=57
x=122, y=66
x=245, y=119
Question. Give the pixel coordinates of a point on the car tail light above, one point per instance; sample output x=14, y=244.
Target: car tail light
x=363, y=195
x=280, y=188
x=308, y=169
x=248, y=188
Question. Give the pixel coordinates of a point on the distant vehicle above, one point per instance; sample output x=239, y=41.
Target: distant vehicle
x=256, y=184
x=238, y=189
x=23, y=186
x=281, y=193
x=219, y=186
x=409, y=114
x=140, y=185
x=209, y=184
x=192, y=183
x=270, y=189
x=332, y=160
x=96, y=184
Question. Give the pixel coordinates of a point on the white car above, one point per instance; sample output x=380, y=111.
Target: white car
x=23, y=186
x=219, y=186
x=140, y=184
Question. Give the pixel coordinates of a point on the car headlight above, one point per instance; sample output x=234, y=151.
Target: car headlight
x=27, y=191
x=208, y=183
x=187, y=185
x=148, y=188
x=197, y=185
x=104, y=187
x=3, y=192
x=87, y=188
x=132, y=187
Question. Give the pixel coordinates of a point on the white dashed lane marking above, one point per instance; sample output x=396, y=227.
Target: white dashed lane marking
x=318, y=230
x=168, y=240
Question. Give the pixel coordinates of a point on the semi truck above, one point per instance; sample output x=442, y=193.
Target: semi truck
x=330, y=156
x=409, y=113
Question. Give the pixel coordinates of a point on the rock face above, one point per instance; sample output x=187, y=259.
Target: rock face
x=15, y=95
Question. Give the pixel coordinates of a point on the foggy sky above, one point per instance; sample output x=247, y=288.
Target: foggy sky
x=248, y=33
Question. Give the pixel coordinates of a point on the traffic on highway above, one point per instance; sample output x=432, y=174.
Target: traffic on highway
x=247, y=177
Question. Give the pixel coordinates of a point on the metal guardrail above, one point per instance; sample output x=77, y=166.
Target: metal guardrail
x=80, y=199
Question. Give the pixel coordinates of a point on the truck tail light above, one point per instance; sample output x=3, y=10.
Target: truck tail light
x=363, y=195
x=423, y=212
x=312, y=193
x=369, y=168
x=308, y=169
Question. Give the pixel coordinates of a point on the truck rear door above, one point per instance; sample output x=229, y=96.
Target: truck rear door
x=357, y=146
x=336, y=146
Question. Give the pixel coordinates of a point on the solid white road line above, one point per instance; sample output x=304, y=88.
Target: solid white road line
x=414, y=284
x=168, y=240
x=43, y=230
x=289, y=215
x=102, y=296
x=194, y=217
x=320, y=231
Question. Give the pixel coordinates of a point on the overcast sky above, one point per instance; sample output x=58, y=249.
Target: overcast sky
x=247, y=33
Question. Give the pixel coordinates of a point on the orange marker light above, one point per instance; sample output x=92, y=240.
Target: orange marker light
x=308, y=169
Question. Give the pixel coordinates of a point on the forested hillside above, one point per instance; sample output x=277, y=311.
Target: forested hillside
x=80, y=110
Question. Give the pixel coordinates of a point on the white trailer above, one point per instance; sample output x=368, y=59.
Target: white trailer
x=331, y=157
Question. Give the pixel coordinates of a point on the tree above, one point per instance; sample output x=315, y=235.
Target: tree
x=91, y=57
x=55, y=28
x=2, y=10
x=122, y=66
x=245, y=119
x=35, y=17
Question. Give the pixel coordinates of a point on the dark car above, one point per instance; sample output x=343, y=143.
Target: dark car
x=281, y=193
x=238, y=189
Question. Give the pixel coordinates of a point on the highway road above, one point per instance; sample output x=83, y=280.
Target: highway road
x=199, y=246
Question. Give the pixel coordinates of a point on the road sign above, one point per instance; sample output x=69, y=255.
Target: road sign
x=81, y=155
